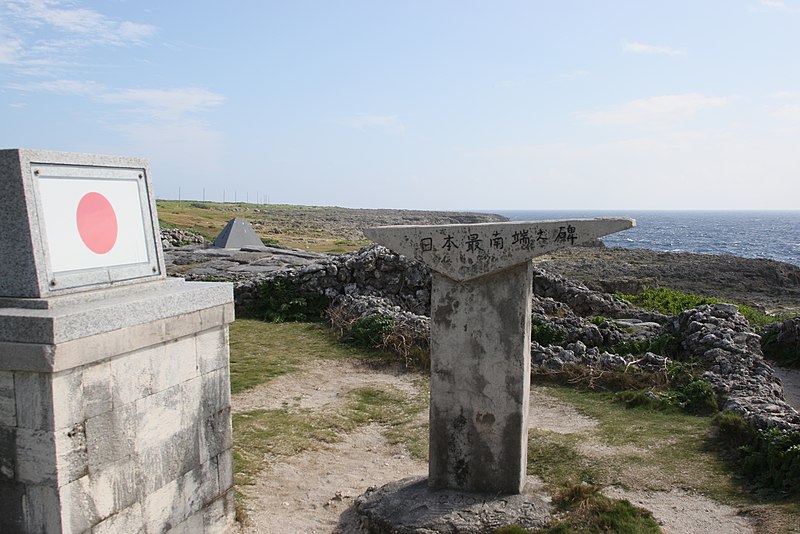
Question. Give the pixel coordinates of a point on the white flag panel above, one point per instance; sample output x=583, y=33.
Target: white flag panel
x=94, y=244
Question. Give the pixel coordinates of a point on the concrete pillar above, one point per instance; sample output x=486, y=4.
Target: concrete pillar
x=480, y=381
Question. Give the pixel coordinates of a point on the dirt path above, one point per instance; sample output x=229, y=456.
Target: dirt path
x=308, y=492
x=790, y=379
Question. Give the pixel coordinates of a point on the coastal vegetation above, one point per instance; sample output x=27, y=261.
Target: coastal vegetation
x=672, y=302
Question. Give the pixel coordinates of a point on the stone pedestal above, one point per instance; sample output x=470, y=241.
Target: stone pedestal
x=115, y=411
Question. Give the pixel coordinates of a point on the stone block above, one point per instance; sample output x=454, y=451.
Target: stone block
x=191, y=401
x=216, y=391
x=131, y=377
x=216, y=433
x=111, y=436
x=170, y=459
x=225, y=468
x=72, y=460
x=212, y=349
x=42, y=509
x=36, y=456
x=97, y=397
x=100, y=495
x=158, y=417
x=163, y=508
x=219, y=516
x=34, y=402
x=8, y=453
x=8, y=408
x=12, y=516
x=175, y=365
x=190, y=495
x=128, y=521
x=68, y=398
x=48, y=401
x=191, y=525
x=200, y=486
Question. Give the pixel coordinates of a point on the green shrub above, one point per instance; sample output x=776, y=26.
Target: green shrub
x=772, y=460
x=667, y=301
x=280, y=301
x=512, y=529
x=598, y=320
x=370, y=331
x=640, y=399
x=668, y=345
x=270, y=241
x=732, y=430
x=546, y=334
x=698, y=397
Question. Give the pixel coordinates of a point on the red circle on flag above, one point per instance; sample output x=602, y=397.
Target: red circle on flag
x=97, y=222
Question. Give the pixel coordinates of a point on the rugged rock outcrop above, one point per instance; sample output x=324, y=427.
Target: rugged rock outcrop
x=722, y=340
x=373, y=271
x=175, y=237
x=586, y=322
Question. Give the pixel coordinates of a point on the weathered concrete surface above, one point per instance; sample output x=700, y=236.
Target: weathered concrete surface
x=480, y=381
x=480, y=340
x=466, y=251
x=409, y=506
x=130, y=440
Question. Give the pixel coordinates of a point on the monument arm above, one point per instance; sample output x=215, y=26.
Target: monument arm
x=466, y=251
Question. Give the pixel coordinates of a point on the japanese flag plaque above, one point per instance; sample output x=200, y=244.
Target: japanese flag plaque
x=89, y=222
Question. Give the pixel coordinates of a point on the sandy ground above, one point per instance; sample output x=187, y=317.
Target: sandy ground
x=307, y=493
x=790, y=379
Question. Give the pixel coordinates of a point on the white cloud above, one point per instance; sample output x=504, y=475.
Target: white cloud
x=388, y=123
x=789, y=113
x=640, y=48
x=659, y=109
x=780, y=5
x=90, y=25
x=166, y=103
x=9, y=51
x=576, y=74
x=67, y=87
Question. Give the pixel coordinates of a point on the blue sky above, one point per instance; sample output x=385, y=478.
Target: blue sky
x=420, y=104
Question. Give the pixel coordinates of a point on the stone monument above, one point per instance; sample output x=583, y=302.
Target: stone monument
x=238, y=233
x=114, y=380
x=480, y=341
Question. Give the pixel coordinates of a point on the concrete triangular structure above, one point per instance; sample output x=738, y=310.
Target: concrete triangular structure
x=238, y=233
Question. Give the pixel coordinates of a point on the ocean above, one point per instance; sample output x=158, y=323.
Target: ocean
x=750, y=234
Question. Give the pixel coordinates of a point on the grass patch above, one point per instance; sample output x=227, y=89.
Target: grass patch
x=654, y=449
x=263, y=436
x=555, y=458
x=585, y=509
x=261, y=351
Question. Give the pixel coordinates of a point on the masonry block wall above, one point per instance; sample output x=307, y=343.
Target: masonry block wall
x=135, y=437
